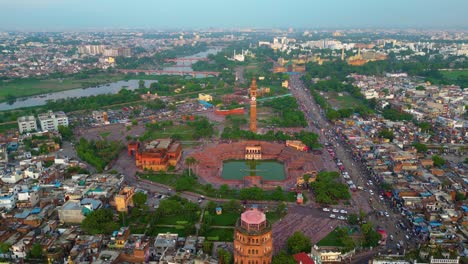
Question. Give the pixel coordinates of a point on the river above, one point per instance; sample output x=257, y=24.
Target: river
x=110, y=88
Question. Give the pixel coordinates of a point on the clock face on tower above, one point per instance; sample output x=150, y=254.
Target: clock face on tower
x=253, y=98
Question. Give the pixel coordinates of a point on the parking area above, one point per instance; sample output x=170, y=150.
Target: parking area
x=311, y=221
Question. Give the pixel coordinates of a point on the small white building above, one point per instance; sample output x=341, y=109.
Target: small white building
x=32, y=197
x=8, y=200
x=12, y=177
x=27, y=124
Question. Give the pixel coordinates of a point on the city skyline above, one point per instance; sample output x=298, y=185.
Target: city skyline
x=144, y=14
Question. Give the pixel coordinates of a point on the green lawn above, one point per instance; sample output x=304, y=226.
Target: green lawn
x=174, y=220
x=223, y=234
x=453, y=75
x=184, y=131
x=341, y=102
x=21, y=88
x=163, y=178
x=225, y=219
x=331, y=240
x=4, y=128
x=273, y=217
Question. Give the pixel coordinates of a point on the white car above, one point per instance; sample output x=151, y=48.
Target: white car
x=326, y=210
x=381, y=197
x=341, y=217
x=335, y=210
x=333, y=216
x=371, y=192
x=343, y=211
x=386, y=214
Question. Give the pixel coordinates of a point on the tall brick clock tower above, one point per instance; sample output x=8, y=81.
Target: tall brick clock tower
x=253, y=106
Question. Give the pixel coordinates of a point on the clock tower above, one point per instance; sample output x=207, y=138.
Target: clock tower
x=253, y=106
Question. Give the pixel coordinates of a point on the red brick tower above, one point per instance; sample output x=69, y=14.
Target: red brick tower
x=253, y=242
x=253, y=106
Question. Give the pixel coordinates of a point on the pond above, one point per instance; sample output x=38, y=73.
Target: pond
x=269, y=170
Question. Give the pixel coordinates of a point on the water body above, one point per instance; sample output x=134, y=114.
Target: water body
x=269, y=170
x=111, y=88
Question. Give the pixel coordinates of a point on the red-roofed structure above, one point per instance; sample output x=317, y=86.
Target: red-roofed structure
x=303, y=258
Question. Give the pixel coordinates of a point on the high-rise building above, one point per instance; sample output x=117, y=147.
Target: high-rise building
x=111, y=52
x=253, y=106
x=91, y=49
x=51, y=120
x=26, y=124
x=253, y=242
x=125, y=52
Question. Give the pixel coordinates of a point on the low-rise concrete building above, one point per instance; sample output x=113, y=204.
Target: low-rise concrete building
x=27, y=124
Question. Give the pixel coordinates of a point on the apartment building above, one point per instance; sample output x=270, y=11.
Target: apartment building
x=26, y=124
x=51, y=120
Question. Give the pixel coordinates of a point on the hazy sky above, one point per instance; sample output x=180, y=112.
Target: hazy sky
x=82, y=14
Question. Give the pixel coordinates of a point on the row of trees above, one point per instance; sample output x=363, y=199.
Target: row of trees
x=92, y=102
x=190, y=183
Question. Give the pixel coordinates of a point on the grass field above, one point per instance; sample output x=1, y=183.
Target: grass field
x=341, y=102
x=174, y=220
x=223, y=234
x=225, y=219
x=22, y=88
x=184, y=131
x=331, y=240
x=163, y=178
x=453, y=75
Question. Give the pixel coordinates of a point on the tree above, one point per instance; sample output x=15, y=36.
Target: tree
x=141, y=84
x=328, y=190
x=421, y=148
x=253, y=193
x=224, y=189
x=371, y=237
x=425, y=126
x=184, y=183
x=224, y=256
x=420, y=88
x=66, y=132
x=278, y=194
x=385, y=133
x=4, y=247
x=190, y=161
x=283, y=258
x=208, y=247
x=438, y=161
x=233, y=206
x=211, y=207
x=99, y=222
x=306, y=178
x=281, y=208
x=459, y=196
x=139, y=199
x=353, y=219
x=36, y=251
x=297, y=243
x=345, y=239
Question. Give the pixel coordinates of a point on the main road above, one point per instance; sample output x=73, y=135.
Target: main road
x=370, y=203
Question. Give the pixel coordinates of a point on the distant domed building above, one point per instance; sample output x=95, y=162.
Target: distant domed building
x=253, y=242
